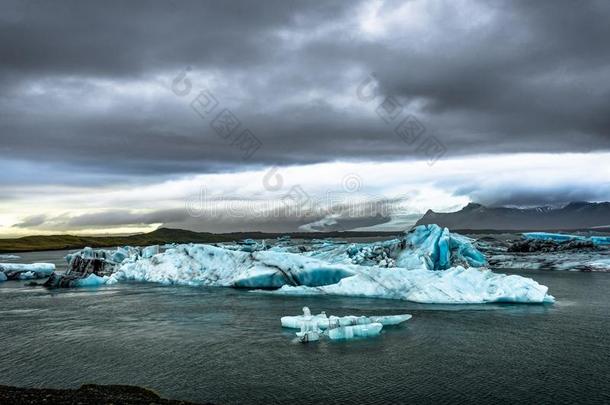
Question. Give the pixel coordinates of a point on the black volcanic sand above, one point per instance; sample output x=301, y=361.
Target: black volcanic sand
x=86, y=394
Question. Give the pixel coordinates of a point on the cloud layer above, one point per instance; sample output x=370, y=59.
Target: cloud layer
x=107, y=96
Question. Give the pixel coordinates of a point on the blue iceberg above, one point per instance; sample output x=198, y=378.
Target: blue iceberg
x=429, y=265
x=562, y=237
x=435, y=248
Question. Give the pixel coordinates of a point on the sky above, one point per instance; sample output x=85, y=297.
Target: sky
x=121, y=117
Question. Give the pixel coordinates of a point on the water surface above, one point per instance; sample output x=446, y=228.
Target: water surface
x=227, y=346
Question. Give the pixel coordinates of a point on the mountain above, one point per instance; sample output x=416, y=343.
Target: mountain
x=158, y=237
x=576, y=215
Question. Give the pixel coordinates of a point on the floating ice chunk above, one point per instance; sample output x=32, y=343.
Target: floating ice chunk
x=557, y=237
x=20, y=271
x=46, y=268
x=350, y=332
x=3, y=277
x=323, y=322
x=9, y=257
x=345, y=327
x=562, y=237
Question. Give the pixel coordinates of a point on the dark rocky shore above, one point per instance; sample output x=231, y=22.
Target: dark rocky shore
x=86, y=394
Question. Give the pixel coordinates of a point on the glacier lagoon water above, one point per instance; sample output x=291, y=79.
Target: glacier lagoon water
x=227, y=346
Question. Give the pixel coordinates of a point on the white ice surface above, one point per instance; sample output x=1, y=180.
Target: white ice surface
x=34, y=267
x=300, y=275
x=350, y=332
x=427, y=250
x=26, y=271
x=324, y=322
x=453, y=286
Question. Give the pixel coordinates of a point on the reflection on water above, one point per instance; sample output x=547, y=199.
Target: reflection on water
x=227, y=346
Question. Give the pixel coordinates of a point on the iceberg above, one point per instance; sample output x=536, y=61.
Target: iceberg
x=561, y=237
x=208, y=265
x=346, y=327
x=9, y=257
x=20, y=271
x=323, y=322
x=429, y=265
x=556, y=237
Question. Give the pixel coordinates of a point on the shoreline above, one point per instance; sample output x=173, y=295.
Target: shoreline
x=88, y=394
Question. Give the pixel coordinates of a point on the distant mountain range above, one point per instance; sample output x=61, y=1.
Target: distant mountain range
x=576, y=215
x=159, y=237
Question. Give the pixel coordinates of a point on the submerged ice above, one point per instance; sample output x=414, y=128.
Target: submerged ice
x=429, y=265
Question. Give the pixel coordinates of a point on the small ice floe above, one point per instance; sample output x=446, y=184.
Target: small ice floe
x=562, y=237
x=21, y=271
x=9, y=257
x=335, y=327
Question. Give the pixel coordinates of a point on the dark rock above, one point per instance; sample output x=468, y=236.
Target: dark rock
x=535, y=245
x=86, y=394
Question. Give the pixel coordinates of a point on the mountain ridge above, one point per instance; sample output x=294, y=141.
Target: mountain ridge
x=158, y=237
x=474, y=216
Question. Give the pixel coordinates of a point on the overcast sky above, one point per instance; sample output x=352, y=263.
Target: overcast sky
x=285, y=115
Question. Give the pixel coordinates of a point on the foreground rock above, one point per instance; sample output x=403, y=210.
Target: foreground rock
x=548, y=251
x=86, y=394
x=535, y=245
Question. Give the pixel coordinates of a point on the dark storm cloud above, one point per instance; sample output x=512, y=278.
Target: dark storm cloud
x=228, y=217
x=532, y=76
